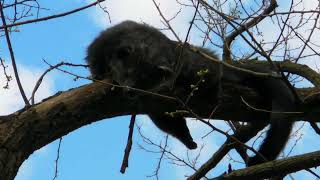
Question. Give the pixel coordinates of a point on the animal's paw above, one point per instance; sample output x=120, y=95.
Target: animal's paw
x=191, y=145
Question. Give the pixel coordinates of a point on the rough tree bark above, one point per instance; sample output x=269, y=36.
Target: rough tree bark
x=27, y=130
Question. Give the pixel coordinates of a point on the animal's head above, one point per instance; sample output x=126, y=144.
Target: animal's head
x=132, y=54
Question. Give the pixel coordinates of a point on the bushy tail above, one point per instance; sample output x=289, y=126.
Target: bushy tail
x=283, y=101
x=276, y=139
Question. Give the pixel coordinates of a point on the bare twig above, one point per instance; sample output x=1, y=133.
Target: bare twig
x=313, y=173
x=315, y=127
x=7, y=76
x=15, y=69
x=57, y=160
x=268, y=111
x=245, y=27
x=125, y=161
x=179, y=65
x=258, y=74
x=53, y=16
x=117, y=86
x=163, y=151
x=166, y=21
x=243, y=134
x=36, y=87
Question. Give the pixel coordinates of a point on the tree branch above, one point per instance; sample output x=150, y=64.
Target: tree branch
x=275, y=168
x=245, y=27
x=27, y=130
x=51, y=17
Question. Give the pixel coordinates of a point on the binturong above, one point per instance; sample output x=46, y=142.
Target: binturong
x=139, y=56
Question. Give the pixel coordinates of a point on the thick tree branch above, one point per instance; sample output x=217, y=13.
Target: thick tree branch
x=276, y=168
x=244, y=134
x=27, y=130
x=298, y=69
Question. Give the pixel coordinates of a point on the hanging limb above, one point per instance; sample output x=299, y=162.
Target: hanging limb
x=125, y=161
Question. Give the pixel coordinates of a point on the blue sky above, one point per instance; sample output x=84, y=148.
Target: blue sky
x=95, y=151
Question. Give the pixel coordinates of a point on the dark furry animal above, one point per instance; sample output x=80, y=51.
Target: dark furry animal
x=276, y=93
x=140, y=56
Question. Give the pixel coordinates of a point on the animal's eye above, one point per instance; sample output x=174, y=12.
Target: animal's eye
x=124, y=52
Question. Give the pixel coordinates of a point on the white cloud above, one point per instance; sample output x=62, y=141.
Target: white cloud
x=11, y=99
x=145, y=11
